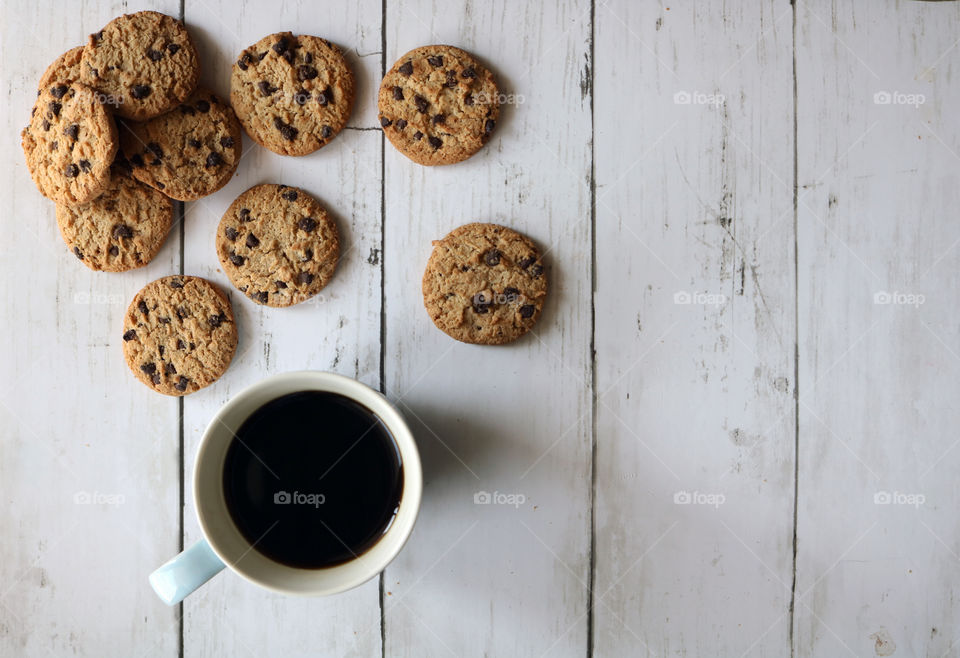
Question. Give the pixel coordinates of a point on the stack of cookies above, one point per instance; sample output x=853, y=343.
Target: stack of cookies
x=121, y=128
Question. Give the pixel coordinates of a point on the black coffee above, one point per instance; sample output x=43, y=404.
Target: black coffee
x=312, y=479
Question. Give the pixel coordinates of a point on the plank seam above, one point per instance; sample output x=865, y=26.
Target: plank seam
x=383, y=291
x=591, y=562
x=796, y=343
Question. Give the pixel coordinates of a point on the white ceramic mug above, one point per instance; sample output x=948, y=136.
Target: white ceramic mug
x=224, y=546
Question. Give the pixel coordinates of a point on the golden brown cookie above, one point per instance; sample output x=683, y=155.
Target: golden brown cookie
x=179, y=334
x=278, y=245
x=121, y=229
x=484, y=284
x=292, y=94
x=65, y=68
x=187, y=153
x=438, y=105
x=144, y=64
x=70, y=143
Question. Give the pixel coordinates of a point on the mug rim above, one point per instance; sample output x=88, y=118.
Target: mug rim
x=298, y=581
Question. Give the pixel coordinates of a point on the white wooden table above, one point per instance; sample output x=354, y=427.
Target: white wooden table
x=734, y=431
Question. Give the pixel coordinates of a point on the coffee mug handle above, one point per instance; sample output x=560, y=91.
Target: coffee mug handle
x=186, y=572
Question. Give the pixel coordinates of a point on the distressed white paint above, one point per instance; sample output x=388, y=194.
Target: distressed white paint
x=689, y=397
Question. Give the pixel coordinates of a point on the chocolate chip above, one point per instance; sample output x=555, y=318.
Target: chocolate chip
x=536, y=270
x=187, y=109
x=325, y=96
x=85, y=166
x=136, y=160
x=468, y=73
x=308, y=58
x=149, y=368
x=215, y=321
x=154, y=148
x=401, y=124
x=214, y=159
x=244, y=60
x=468, y=100
x=305, y=72
x=280, y=46
x=58, y=91
x=435, y=60
x=451, y=80
x=176, y=283
x=244, y=214
x=439, y=118
x=260, y=296
x=54, y=146
x=226, y=142
x=231, y=233
x=290, y=195
x=72, y=131
x=53, y=109
x=163, y=321
x=307, y=224
x=492, y=257
x=288, y=132
x=262, y=55
x=140, y=92
x=182, y=384
x=326, y=132
x=305, y=278
x=301, y=97
x=480, y=304
x=489, y=126
x=129, y=334
x=78, y=253
x=193, y=346
x=114, y=250
x=435, y=142
x=527, y=311
x=252, y=240
x=406, y=68
x=154, y=55
x=98, y=35
x=398, y=93
x=46, y=125
x=265, y=88
x=195, y=143
x=280, y=284
x=421, y=103
x=511, y=294
x=526, y=262
x=169, y=369
x=180, y=344
x=142, y=307
x=288, y=56
x=203, y=106
x=384, y=121
x=417, y=136
x=71, y=171
x=307, y=255
x=122, y=231
x=236, y=258
x=173, y=48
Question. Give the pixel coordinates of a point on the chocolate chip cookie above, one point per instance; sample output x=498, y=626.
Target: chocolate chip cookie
x=438, y=105
x=278, y=245
x=70, y=143
x=121, y=229
x=179, y=334
x=144, y=64
x=65, y=68
x=484, y=284
x=189, y=152
x=292, y=94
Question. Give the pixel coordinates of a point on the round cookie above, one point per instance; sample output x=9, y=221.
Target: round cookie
x=65, y=68
x=120, y=230
x=278, y=245
x=292, y=94
x=70, y=143
x=187, y=153
x=438, y=105
x=484, y=284
x=179, y=334
x=144, y=64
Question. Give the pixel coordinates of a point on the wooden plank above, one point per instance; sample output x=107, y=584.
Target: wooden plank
x=89, y=459
x=879, y=143
x=695, y=329
x=339, y=330
x=497, y=579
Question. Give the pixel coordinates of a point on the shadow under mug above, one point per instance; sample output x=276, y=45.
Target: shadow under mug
x=224, y=546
